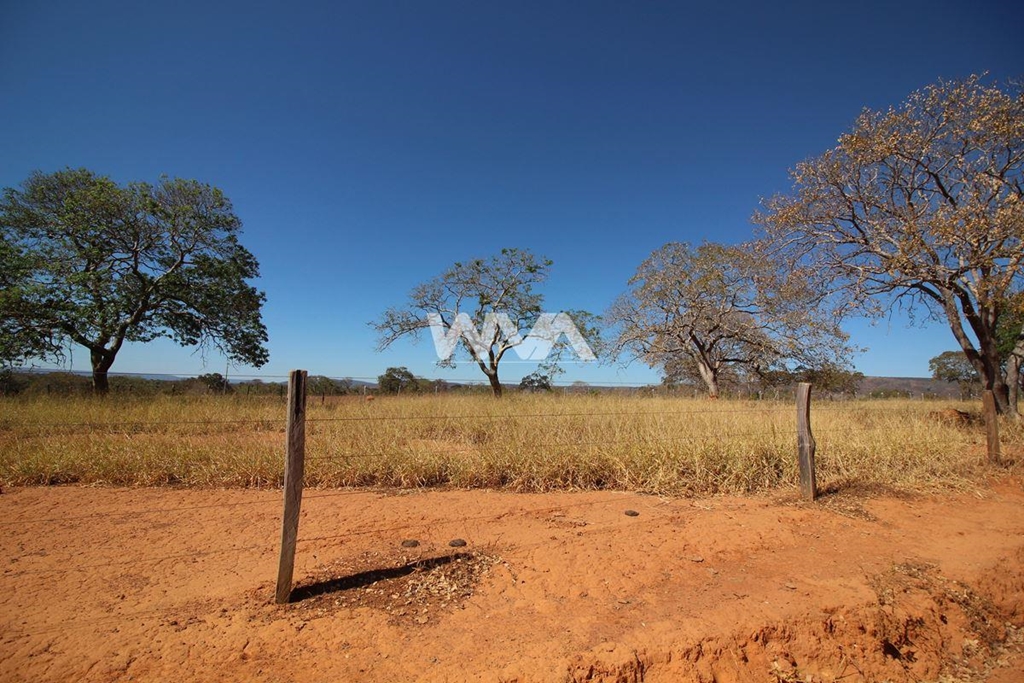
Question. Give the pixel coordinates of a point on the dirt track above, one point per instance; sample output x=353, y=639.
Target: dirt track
x=112, y=584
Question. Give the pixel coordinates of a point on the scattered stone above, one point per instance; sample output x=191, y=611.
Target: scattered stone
x=457, y=543
x=632, y=513
x=696, y=558
x=791, y=586
x=410, y=543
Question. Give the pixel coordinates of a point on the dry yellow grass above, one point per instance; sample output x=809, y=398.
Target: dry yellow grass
x=663, y=445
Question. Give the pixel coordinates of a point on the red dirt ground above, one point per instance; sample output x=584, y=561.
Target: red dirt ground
x=106, y=584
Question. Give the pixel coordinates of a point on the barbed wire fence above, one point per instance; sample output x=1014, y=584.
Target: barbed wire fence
x=296, y=421
x=295, y=468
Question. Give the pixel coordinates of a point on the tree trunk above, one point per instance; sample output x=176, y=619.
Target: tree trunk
x=985, y=358
x=492, y=377
x=994, y=381
x=710, y=377
x=1012, y=381
x=101, y=362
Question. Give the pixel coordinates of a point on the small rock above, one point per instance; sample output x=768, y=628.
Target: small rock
x=457, y=543
x=422, y=620
x=791, y=586
x=410, y=543
x=632, y=513
x=696, y=558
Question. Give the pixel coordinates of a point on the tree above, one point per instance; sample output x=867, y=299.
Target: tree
x=319, y=385
x=953, y=366
x=830, y=379
x=919, y=207
x=484, y=307
x=543, y=378
x=718, y=309
x=535, y=381
x=397, y=380
x=1011, y=350
x=101, y=264
x=680, y=370
x=20, y=337
x=215, y=383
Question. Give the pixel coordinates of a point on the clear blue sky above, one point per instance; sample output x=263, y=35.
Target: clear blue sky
x=367, y=146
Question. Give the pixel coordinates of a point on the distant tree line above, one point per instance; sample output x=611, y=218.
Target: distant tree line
x=401, y=381
x=13, y=383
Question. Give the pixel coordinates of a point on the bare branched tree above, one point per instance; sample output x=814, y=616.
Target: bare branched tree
x=921, y=207
x=717, y=307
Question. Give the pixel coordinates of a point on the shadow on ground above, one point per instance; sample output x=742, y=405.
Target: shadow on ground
x=372, y=576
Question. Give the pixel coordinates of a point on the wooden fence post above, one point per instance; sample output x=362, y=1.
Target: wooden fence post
x=988, y=400
x=805, y=441
x=293, y=471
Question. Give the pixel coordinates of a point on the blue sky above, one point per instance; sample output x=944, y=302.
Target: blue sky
x=367, y=146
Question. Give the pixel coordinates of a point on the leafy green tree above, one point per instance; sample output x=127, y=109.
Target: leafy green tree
x=21, y=337
x=469, y=299
x=831, y=379
x=397, y=381
x=11, y=383
x=99, y=264
x=1010, y=342
x=318, y=385
x=215, y=382
x=535, y=381
x=953, y=366
x=920, y=207
x=57, y=383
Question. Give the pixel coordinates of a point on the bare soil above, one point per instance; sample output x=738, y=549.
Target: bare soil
x=101, y=584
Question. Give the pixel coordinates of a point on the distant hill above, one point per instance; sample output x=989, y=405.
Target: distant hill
x=916, y=386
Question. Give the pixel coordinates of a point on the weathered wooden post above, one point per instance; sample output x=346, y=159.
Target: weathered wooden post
x=293, y=472
x=805, y=441
x=988, y=400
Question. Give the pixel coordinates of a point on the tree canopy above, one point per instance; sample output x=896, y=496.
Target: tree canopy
x=920, y=206
x=87, y=261
x=397, y=381
x=716, y=309
x=953, y=366
x=484, y=308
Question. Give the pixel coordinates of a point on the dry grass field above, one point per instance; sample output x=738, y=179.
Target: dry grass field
x=529, y=443
x=909, y=569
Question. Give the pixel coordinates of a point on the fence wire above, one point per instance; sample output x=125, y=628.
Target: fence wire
x=315, y=418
